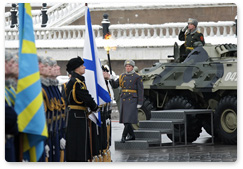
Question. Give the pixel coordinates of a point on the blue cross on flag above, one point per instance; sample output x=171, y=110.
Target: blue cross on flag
x=94, y=79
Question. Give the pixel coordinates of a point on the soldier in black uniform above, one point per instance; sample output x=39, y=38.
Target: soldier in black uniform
x=192, y=37
x=79, y=100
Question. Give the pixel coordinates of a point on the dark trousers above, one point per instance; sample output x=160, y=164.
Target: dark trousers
x=127, y=129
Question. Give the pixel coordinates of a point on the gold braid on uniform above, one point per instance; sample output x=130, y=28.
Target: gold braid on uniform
x=48, y=104
x=59, y=105
x=63, y=106
x=121, y=82
x=74, y=88
x=65, y=89
x=56, y=104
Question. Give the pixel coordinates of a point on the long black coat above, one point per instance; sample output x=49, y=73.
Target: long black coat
x=78, y=143
x=129, y=100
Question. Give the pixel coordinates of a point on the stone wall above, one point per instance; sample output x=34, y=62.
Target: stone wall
x=164, y=15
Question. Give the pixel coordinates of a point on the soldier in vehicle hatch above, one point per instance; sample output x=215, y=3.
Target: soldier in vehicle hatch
x=192, y=37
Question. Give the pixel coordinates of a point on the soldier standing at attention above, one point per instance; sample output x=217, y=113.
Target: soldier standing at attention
x=192, y=37
x=131, y=98
x=79, y=100
x=11, y=126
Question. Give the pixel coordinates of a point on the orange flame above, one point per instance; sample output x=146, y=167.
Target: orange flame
x=107, y=36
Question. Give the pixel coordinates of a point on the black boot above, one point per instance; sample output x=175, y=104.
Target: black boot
x=124, y=134
x=131, y=135
x=123, y=140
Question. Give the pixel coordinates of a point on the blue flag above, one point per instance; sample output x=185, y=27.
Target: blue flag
x=29, y=99
x=93, y=74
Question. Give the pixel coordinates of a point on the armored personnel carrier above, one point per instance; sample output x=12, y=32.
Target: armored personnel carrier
x=205, y=79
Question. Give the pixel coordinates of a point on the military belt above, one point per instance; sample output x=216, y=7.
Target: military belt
x=190, y=48
x=129, y=91
x=76, y=107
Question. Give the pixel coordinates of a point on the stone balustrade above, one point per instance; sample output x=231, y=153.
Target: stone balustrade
x=56, y=13
x=126, y=31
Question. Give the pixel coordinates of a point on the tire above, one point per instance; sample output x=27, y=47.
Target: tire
x=194, y=126
x=144, y=113
x=226, y=119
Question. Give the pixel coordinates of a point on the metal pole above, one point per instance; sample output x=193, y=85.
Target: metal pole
x=109, y=61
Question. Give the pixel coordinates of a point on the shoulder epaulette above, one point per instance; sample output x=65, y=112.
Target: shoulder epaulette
x=121, y=82
x=79, y=81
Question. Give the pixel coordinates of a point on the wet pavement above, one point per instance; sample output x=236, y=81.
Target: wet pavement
x=196, y=152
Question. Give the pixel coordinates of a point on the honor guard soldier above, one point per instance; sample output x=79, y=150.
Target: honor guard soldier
x=58, y=137
x=45, y=73
x=78, y=146
x=192, y=37
x=11, y=127
x=131, y=98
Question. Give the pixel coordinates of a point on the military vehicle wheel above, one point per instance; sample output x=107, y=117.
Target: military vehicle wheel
x=194, y=124
x=144, y=113
x=226, y=119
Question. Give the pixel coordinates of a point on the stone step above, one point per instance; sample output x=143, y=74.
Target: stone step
x=147, y=134
x=162, y=131
x=168, y=114
x=152, y=124
x=175, y=121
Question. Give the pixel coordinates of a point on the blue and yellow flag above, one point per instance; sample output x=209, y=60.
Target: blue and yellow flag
x=29, y=100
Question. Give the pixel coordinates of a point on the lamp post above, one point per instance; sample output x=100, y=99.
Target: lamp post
x=106, y=35
x=13, y=11
x=105, y=24
x=44, y=15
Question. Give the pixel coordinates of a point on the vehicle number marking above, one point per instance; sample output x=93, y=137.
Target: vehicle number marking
x=231, y=76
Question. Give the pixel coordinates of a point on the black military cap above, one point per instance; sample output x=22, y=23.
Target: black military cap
x=74, y=63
